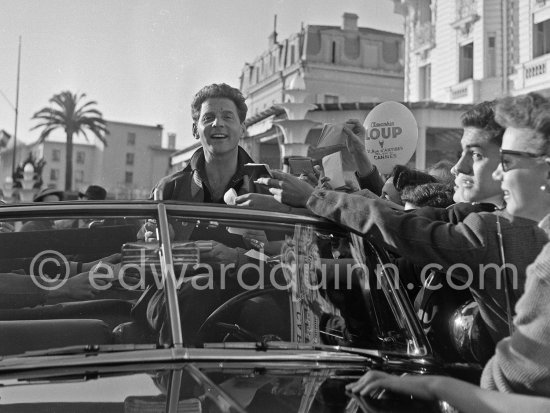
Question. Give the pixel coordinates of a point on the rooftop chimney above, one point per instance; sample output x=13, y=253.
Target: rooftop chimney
x=349, y=21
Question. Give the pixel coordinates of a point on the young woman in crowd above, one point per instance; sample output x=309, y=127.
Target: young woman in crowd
x=522, y=362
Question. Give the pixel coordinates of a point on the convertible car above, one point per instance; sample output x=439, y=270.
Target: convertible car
x=151, y=306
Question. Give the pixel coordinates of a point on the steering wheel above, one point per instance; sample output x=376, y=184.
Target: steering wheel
x=214, y=320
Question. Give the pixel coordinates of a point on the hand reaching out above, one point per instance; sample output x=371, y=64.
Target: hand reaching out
x=356, y=146
x=288, y=189
x=417, y=386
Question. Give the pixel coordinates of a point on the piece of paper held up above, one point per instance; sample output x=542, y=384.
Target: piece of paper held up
x=333, y=167
x=332, y=135
x=257, y=255
x=230, y=196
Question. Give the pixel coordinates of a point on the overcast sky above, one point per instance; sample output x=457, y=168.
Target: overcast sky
x=142, y=61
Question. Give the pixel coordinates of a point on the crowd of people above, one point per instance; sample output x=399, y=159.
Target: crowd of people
x=497, y=213
x=489, y=210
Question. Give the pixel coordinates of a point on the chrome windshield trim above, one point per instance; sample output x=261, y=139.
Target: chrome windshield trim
x=173, y=396
x=191, y=209
x=212, y=390
x=169, y=277
x=420, y=345
x=173, y=358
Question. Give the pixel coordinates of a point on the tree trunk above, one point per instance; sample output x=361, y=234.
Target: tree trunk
x=69, y=161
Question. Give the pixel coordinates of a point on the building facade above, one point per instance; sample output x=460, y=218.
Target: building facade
x=342, y=73
x=468, y=51
x=128, y=166
x=338, y=64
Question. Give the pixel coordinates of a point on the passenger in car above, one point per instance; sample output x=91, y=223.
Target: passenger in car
x=218, y=112
x=474, y=244
x=214, y=172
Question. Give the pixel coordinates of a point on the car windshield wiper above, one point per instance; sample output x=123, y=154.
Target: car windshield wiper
x=85, y=349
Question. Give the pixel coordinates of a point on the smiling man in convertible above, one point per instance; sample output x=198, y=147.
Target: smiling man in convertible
x=215, y=174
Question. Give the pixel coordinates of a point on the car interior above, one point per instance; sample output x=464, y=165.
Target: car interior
x=296, y=256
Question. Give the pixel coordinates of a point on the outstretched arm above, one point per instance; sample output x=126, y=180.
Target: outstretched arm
x=367, y=174
x=462, y=395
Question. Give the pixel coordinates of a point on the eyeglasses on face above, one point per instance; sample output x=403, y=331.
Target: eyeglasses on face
x=508, y=158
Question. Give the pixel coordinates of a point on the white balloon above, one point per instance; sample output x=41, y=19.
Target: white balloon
x=392, y=134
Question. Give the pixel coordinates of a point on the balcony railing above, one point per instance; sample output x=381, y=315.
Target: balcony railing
x=534, y=73
x=465, y=92
x=534, y=70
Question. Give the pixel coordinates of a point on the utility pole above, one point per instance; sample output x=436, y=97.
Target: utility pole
x=16, y=109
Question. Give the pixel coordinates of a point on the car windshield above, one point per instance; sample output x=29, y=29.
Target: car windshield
x=89, y=275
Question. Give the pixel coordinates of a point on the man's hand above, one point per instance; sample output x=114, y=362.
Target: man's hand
x=6, y=227
x=288, y=189
x=78, y=287
x=356, y=145
x=261, y=201
x=220, y=254
x=255, y=238
x=111, y=259
x=149, y=230
x=317, y=179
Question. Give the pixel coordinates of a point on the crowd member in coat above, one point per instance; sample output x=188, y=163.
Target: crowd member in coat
x=475, y=243
x=521, y=363
x=475, y=190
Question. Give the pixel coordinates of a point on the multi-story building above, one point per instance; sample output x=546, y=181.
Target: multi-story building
x=134, y=159
x=338, y=64
x=468, y=51
x=342, y=72
x=128, y=166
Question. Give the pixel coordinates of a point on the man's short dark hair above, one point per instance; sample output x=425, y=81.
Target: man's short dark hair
x=530, y=111
x=404, y=176
x=482, y=116
x=220, y=90
x=434, y=194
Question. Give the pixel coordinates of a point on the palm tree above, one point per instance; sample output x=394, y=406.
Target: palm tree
x=65, y=112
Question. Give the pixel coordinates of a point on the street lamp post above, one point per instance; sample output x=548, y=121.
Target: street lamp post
x=16, y=109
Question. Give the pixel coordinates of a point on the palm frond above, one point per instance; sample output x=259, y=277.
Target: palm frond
x=70, y=111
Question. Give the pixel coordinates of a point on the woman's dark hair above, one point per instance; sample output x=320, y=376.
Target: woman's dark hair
x=221, y=90
x=437, y=195
x=404, y=176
